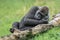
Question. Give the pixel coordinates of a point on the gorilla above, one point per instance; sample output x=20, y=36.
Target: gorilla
x=36, y=15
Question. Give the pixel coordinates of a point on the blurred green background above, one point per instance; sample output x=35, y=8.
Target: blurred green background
x=14, y=10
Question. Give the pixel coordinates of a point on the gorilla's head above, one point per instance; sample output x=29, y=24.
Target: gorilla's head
x=42, y=11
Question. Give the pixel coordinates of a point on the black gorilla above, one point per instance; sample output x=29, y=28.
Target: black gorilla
x=36, y=15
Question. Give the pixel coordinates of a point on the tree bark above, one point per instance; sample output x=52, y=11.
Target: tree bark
x=21, y=35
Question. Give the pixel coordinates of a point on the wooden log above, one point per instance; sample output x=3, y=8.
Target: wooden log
x=37, y=29
x=22, y=34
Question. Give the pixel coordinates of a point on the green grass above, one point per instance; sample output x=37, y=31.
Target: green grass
x=14, y=10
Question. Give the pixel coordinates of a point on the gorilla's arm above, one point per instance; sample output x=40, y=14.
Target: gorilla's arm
x=45, y=20
x=31, y=21
x=35, y=22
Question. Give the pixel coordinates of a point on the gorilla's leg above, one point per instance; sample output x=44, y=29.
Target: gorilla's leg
x=14, y=25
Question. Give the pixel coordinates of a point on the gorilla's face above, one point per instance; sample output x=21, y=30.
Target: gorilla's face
x=44, y=10
x=41, y=12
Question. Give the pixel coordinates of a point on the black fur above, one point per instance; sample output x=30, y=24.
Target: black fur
x=35, y=16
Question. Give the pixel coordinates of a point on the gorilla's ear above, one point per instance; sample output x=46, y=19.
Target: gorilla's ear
x=44, y=9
